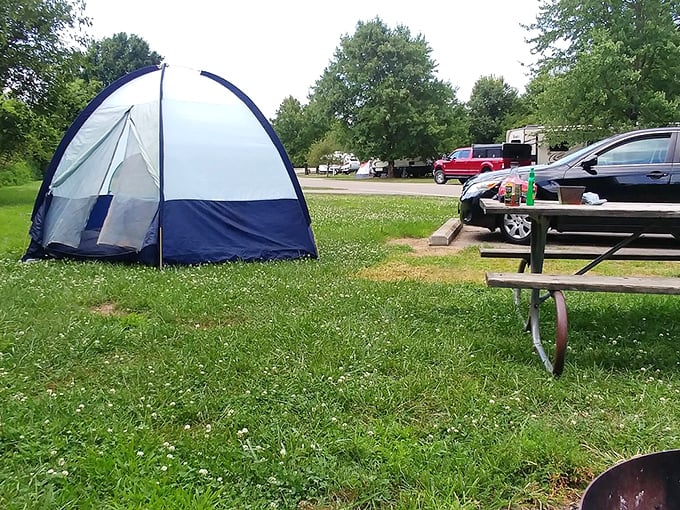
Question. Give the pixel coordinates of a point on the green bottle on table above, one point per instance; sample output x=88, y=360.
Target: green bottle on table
x=530, y=187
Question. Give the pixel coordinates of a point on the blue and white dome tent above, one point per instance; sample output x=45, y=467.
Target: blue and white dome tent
x=170, y=165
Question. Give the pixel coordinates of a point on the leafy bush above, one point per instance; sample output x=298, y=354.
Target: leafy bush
x=19, y=172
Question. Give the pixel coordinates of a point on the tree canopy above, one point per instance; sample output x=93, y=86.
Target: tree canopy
x=608, y=66
x=36, y=37
x=381, y=88
x=298, y=127
x=110, y=58
x=46, y=78
x=491, y=100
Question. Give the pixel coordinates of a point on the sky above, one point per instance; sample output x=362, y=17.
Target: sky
x=272, y=49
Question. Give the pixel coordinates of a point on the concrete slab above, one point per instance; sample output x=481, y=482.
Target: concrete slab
x=444, y=234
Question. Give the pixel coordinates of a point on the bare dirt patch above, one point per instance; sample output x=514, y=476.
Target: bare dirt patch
x=467, y=236
x=422, y=248
x=395, y=271
x=108, y=309
x=407, y=266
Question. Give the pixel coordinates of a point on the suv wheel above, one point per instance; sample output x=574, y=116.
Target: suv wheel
x=516, y=228
x=439, y=177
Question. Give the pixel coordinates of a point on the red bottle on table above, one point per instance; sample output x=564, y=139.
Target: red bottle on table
x=513, y=188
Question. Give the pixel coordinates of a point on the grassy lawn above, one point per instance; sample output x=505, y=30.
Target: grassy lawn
x=369, y=378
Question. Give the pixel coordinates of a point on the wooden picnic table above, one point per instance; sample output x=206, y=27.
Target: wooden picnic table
x=541, y=214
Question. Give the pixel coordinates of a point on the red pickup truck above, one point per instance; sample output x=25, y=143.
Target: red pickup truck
x=465, y=162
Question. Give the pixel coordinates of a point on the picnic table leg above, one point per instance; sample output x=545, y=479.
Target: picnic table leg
x=560, y=332
x=539, y=236
x=517, y=293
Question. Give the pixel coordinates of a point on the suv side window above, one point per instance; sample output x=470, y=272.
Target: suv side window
x=461, y=154
x=637, y=152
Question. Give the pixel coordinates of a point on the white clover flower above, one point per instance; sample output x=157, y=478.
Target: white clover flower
x=164, y=468
x=242, y=432
x=187, y=427
x=64, y=473
x=140, y=453
x=203, y=472
x=171, y=448
x=170, y=456
x=208, y=428
x=61, y=461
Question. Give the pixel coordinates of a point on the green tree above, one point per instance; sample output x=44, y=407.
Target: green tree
x=110, y=58
x=381, y=88
x=608, y=66
x=491, y=101
x=32, y=134
x=322, y=151
x=288, y=125
x=36, y=36
x=39, y=42
x=299, y=126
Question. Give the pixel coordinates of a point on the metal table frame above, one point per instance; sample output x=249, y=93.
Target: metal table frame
x=541, y=214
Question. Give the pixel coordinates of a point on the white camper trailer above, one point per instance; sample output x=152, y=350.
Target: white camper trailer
x=542, y=151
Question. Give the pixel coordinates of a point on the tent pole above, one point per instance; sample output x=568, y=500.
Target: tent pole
x=161, y=171
x=160, y=247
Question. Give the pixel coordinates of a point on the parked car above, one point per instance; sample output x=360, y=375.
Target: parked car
x=467, y=162
x=351, y=164
x=638, y=166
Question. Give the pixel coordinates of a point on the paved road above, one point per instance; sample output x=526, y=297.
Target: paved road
x=376, y=186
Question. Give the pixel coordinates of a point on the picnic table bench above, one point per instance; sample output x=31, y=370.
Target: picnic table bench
x=553, y=285
x=524, y=254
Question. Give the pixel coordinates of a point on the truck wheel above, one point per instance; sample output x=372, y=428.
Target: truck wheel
x=485, y=169
x=439, y=177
